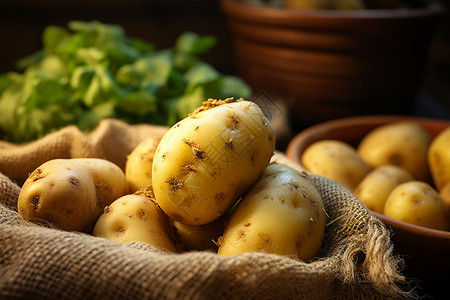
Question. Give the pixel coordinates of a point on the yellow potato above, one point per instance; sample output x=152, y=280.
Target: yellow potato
x=439, y=159
x=404, y=144
x=201, y=237
x=417, y=203
x=336, y=160
x=138, y=168
x=71, y=193
x=205, y=162
x=375, y=188
x=282, y=213
x=137, y=218
x=445, y=195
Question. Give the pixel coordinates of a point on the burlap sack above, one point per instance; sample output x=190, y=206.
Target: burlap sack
x=355, y=262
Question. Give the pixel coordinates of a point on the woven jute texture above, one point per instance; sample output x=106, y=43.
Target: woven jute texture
x=356, y=260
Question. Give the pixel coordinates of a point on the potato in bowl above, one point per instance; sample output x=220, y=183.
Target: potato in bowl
x=425, y=249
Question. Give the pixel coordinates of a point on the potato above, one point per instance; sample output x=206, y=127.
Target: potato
x=404, y=144
x=205, y=162
x=71, y=193
x=375, y=188
x=137, y=218
x=282, y=213
x=138, y=168
x=439, y=159
x=336, y=160
x=417, y=203
x=445, y=195
x=201, y=237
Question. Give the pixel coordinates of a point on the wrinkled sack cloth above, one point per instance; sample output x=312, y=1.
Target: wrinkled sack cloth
x=356, y=260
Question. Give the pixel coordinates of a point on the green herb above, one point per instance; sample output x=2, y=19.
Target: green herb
x=93, y=71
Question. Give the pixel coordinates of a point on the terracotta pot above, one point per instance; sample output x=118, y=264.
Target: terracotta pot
x=426, y=251
x=330, y=64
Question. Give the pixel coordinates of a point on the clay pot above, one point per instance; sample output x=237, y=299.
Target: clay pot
x=425, y=251
x=329, y=64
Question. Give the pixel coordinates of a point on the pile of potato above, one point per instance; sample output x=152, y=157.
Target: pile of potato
x=397, y=169
x=207, y=184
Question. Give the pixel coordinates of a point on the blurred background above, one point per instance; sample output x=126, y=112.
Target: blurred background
x=158, y=21
x=161, y=21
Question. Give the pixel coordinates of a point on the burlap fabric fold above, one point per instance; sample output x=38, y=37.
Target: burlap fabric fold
x=355, y=262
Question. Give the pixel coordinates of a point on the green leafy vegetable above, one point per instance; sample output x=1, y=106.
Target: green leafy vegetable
x=91, y=71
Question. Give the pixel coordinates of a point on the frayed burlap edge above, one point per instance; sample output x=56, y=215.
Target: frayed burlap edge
x=361, y=241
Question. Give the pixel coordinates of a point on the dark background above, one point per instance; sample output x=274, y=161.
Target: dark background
x=157, y=21
x=162, y=21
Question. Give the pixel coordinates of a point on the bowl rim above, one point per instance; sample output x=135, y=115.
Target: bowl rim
x=293, y=153
x=261, y=14
x=430, y=232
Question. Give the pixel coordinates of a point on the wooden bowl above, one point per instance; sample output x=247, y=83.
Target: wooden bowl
x=426, y=251
x=329, y=64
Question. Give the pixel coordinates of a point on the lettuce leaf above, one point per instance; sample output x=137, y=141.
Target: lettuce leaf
x=90, y=71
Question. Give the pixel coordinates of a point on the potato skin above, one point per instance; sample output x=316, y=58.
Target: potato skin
x=417, y=203
x=404, y=144
x=439, y=159
x=445, y=195
x=136, y=218
x=375, y=188
x=71, y=193
x=337, y=161
x=138, y=167
x=205, y=162
x=201, y=237
x=282, y=213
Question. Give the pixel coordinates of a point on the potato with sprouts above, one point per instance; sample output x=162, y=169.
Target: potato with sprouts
x=205, y=162
x=282, y=213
